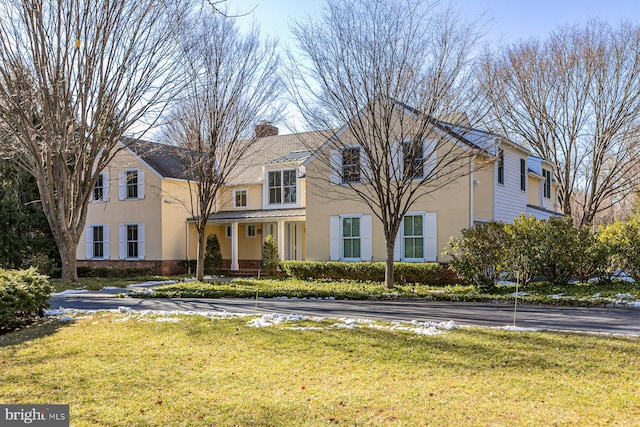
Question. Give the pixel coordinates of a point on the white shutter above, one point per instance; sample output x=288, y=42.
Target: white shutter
x=140, y=184
x=430, y=158
x=365, y=167
x=140, y=241
x=123, y=241
x=398, y=246
x=430, y=237
x=105, y=231
x=334, y=238
x=395, y=166
x=335, y=162
x=122, y=184
x=89, y=242
x=105, y=183
x=366, y=248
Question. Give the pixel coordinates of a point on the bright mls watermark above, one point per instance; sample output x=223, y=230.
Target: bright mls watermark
x=34, y=415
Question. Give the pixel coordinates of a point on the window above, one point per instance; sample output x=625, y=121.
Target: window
x=547, y=183
x=251, y=230
x=132, y=241
x=132, y=184
x=523, y=175
x=500, y=167
x=289, y=186
x=98, y=189
x=413, y=234
x=240, y=198
x=282, y=187
x=227, y=231
x=412, y=155
x=351, y=237
x=350, y=165
x=98, y=241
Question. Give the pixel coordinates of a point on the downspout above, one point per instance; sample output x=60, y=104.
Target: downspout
x=187, y=247
x=471, y=192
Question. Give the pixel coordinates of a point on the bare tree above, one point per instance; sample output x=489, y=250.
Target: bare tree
x=387, y=70
x=575, y=100
x=75, y=75
x=233, y=82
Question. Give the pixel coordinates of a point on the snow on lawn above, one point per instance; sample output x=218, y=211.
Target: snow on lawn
x=288, y=321
x=69, y=291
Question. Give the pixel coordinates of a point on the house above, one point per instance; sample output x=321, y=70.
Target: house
x=283, y=189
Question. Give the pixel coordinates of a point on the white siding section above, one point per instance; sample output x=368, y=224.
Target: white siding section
x=510, y=201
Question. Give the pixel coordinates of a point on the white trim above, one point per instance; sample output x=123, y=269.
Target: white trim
x=429, y=237
x=246, y=232
x=124, y=243
x=404, y=258
x=246, y=198
x=123, y=185
x=334, y=238
x=342, y=217
x=147, y=165
x=282, y=205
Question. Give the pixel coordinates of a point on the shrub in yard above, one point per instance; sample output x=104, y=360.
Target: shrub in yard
x=623, y=239
x=478, y=256
x=23, y=296
x=404, y=272
x=270, y=255
x=213, y=256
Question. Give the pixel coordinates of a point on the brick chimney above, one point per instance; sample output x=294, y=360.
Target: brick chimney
x=265, y=128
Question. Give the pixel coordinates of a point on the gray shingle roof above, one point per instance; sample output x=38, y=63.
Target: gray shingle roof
x=257, y=214
x=167, y=160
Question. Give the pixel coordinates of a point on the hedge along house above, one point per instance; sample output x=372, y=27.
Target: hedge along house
x=284, y=189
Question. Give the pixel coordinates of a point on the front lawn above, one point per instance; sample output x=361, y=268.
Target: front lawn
x=140, y=370
x=584, y=294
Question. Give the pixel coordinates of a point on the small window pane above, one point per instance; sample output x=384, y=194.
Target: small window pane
x=132, y=184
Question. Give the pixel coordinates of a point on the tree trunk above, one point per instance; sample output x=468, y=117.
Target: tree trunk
x=201, y=253
x=388, y=271
x=67, y=250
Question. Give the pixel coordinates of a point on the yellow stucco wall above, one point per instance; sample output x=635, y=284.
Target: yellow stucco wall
x=147, y=211
x=450, y=203
x=483, y=191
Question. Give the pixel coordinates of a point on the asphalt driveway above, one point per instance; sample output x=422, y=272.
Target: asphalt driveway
x=598, y=320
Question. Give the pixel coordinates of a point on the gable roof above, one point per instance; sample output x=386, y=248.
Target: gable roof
x=168, y=161
x=274, y=150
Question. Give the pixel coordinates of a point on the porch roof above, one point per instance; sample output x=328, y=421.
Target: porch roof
x=252, y=215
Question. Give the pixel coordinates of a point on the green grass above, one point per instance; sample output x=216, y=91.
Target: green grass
x=539, y=293
x=97, y=283
x=200, y=372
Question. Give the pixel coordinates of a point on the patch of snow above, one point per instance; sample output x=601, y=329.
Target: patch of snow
x=596, y=295
x=111, y=288
x=557, y=296
x=505, y=283
x=518, y=294
x=69, y=292
x=66, y=319
x=518, y=329
x=168, y=319
x=123, y=309
x=624, y=296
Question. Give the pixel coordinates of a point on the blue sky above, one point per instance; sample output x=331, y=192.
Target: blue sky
x=510, y=20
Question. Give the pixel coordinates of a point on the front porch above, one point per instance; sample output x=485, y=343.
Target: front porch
x=242, y=233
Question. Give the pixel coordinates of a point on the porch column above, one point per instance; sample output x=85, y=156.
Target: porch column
x=234, y=247
x=281, y=239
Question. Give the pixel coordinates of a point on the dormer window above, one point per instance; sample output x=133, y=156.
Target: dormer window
x=282, y=187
